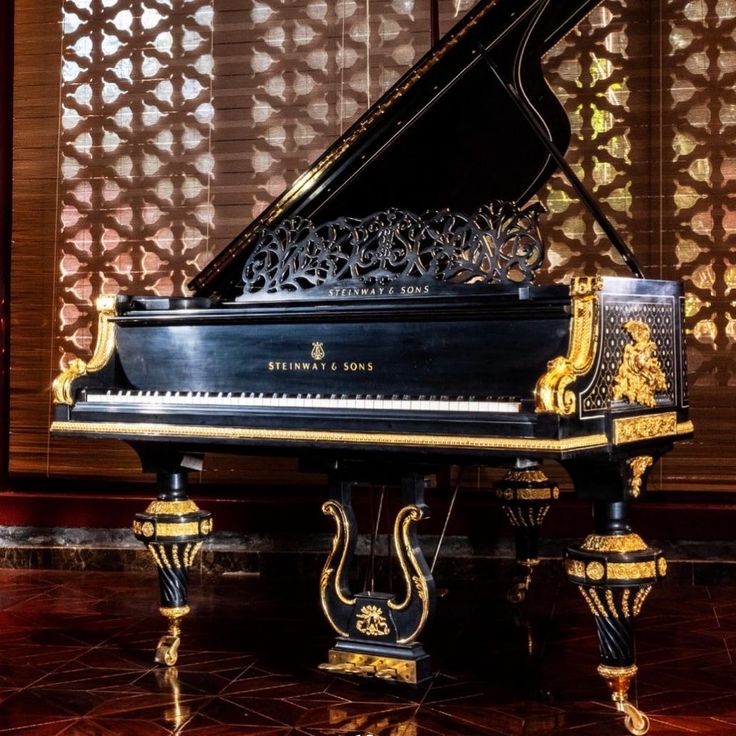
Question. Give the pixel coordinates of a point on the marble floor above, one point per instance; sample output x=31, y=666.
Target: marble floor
x=76, y=659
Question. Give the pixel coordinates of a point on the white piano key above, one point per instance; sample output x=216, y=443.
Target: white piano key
x=361, y=403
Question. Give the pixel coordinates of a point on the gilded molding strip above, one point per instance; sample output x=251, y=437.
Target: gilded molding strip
x=526, y=494
x=551, y=392
x=143, y=429
x=61, y=388
x=631, y=570
x=614, y=543
x=597, y=571
x=649, y=426
x=172, y=508
x=188, y=529
x=617, y=672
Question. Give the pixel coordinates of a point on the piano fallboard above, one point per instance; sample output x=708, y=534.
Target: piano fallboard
x=351, y=352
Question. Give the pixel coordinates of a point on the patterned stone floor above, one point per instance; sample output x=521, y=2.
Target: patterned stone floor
x=76, y=659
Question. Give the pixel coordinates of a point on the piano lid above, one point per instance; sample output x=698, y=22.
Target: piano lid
x=446, y=135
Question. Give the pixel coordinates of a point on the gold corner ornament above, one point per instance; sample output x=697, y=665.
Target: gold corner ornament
x=638, y=466
x=61, y=388
x=551, y=392
x=648, y=427
x=640, y=376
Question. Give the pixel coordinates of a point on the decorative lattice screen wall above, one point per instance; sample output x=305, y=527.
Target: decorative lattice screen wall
x=174, y=122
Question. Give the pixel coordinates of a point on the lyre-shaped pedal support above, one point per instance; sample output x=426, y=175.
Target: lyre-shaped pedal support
x=377, y=632
x=615, y=570
x=173, y=529
x=525, y=494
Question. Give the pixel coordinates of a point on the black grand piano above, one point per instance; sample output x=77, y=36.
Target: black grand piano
x=381, y=319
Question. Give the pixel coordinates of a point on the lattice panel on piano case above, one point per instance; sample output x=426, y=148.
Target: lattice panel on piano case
x=661, y=320
x=135, y=153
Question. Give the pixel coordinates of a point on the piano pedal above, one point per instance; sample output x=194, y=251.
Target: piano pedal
x=387, y=673
x=365, y=670
x=330, y=667
x=389, y=669
x=167, y=650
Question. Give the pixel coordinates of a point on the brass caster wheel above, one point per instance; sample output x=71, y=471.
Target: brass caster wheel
x=517, y=592
x=167, y=650
x=636, y=722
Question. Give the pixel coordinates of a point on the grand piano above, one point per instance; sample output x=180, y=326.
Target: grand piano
x=380, y=320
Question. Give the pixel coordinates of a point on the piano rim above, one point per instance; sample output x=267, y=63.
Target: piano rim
x=305, y=437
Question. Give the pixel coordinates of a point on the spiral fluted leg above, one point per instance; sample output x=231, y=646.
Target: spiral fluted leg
x=615, y=572
x=173, y=529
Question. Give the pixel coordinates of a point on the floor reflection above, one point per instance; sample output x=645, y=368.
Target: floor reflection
x=177, y=714
x=76, y=658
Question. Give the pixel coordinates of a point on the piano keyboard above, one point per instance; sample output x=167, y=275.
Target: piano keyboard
x=306, y=401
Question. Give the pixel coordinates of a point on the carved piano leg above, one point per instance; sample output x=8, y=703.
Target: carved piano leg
x=525, y=494
x=173, y=529
x=377, y=632
x=615, y=571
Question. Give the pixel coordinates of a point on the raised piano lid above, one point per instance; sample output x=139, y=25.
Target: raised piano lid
x=446, y=135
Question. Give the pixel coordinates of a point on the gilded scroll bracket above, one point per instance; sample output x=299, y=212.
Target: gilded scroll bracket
x=61, y=388
x=552, y=392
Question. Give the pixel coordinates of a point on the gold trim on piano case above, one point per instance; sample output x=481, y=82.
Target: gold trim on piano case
x=551, y=392
x=640, y=376
x=61, y=388
x=649, y=426
x=123, y=430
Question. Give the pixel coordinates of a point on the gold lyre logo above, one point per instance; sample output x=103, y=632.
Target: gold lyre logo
x=318, y=351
